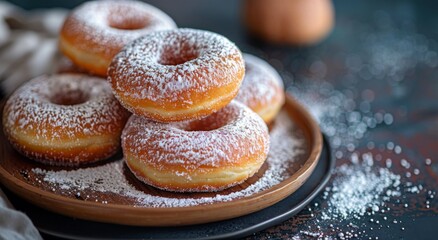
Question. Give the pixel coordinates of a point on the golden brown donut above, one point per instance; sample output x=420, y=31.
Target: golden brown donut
x=65, y=119
x=209, y=154
x=177, y=75
x=297, y=22
x=95, y=31
x=262, y=88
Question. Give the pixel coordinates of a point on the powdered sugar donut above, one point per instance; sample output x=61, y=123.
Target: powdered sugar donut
x=95, y=31
x=262, y=88
x=177, y=74
x=64, y=119
x=209, y=154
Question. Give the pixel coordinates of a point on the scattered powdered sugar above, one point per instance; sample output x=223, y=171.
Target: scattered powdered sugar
x=341, y=117
x=284, y=144
x=171, y=67
x=365, y=187
x=375, y=181
x=358, y=188
x=261, y=83
x=362, y=189
x=109, y=178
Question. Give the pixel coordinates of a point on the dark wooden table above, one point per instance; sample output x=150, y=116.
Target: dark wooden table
x=398, y=39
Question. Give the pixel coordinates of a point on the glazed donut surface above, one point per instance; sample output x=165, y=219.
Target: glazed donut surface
x=177, y=74
x=210, y=154
x=65, y=119
x=96, y=31
x=262, y=89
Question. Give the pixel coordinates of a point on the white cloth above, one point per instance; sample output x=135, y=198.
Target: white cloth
x=28, y=44
x=15, y=224
x=28, y=48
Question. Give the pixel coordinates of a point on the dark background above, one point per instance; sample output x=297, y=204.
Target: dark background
x=411, y=96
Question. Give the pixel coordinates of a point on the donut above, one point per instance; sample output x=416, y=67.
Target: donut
x=95, y=31
x=177, y=74
x=203, y=155
x=293, y=22
x=262, y=88
x=64, y=119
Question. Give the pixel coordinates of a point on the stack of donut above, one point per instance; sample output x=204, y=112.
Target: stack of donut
x=186, y=132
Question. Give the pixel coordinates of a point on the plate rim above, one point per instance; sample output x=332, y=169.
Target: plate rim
x=31, y=193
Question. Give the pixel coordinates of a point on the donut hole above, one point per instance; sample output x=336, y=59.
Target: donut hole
x=124, y=18
x=212, y=122
x=133, y=24
x=175, y=56
x=71, y=97
x=202, y=126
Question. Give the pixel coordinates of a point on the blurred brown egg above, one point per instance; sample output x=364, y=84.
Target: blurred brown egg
x=297, y=22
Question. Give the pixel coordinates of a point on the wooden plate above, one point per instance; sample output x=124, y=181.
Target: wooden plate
x=65, y=227
x=16, y=173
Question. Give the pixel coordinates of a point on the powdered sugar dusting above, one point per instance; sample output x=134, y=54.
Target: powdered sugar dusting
x=261, y=82
x=93, y=21
x=170, y=67
x=109, y=178
x=33, y=110
x=162, y=144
